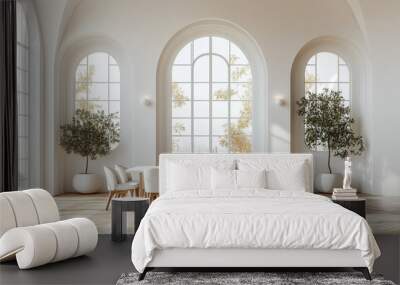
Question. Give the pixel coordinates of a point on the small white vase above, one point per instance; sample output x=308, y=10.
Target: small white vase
x=87, y=183
x=325, y=182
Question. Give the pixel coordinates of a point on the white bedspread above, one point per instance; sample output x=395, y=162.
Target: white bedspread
x=250, y=218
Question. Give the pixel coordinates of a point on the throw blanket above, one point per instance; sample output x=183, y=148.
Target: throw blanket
x=251, y=218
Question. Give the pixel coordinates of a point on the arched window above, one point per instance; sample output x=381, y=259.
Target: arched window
x=23, y=97
x=97, y=84
x=211, y=90
x=328, y=70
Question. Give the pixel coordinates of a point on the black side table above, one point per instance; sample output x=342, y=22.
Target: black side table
x=119, y=208
x=356, y=205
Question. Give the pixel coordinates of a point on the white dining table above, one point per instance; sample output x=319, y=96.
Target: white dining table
x=139, y=169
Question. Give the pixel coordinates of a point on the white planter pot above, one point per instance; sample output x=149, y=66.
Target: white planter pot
x=325, y=182
x=87, y=183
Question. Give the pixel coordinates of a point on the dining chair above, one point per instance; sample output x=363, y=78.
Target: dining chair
x=150, y=177
x=118, y=189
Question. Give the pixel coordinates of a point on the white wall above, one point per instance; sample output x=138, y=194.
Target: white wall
x=141, y=29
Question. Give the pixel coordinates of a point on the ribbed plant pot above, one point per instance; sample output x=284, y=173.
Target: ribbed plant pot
x=87, y=183
x=325, y=182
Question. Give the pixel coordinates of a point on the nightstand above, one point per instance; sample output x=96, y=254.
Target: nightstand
x=357, y=205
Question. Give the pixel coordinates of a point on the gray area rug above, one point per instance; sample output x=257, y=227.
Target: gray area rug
x=229, y=278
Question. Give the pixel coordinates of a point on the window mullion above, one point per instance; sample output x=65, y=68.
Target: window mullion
x=192, y=96
x=229, y=98
x=210, y=62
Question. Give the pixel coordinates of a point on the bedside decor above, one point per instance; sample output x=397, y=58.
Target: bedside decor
x=328, y=125
x=90, y=135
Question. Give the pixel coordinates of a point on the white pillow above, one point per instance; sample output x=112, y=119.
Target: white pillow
x=223, y=179
x=293, y=178
x=183, y=177
x=251, y=178
x=121, y=173
x=282, y=174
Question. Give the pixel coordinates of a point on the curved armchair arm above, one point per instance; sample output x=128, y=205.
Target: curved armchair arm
x=40, y=244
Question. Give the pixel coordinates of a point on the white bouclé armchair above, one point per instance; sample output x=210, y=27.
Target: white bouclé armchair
x=31, y=231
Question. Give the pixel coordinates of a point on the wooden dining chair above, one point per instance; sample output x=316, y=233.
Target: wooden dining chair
x=116, y=189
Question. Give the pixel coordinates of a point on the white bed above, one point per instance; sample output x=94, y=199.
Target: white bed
x=199, y=225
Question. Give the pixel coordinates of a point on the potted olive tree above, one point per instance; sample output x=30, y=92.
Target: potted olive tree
x=328, y=125
x=90, y=134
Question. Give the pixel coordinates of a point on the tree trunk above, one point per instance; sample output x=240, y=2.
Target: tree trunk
x=87, y=164
x=329, y=158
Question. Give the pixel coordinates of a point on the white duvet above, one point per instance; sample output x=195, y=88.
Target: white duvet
x=253, y=218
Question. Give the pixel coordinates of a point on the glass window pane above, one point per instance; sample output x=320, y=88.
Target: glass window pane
x=181, y=109
x=219, y=69
x=309, y=75
x=183, y=56
x=219, y=144
x=240, y=73
x=23, y=125
x=81, y=74
x=240, y=143
x=81, y=105
x=181, y=91
x=98, y=91
x=201, y=46
x=237, y=56
x=241, y=91
x=81, y=89
x=220, y=91
x=201, y=144
x=201, y=109
x=23, y=148
x=201, y=69
x=112, y=60
x=201, y=127
x=95, y=106
x=201, y=91
x=114, y=73
x=344, y=73
x=221, y=46
x=181, y=73
x=327, y=67
x=220, y=109
x=310, y=87
x=114, y=107
x=330, y=86
x=241, y=108
x=219, y=126
x=98, y=67
x=242, y=126
x=345, y=88
x=114, y=91
x=181, y=127
x=181, y=144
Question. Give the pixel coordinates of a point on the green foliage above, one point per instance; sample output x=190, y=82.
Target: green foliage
x=328, y=123
x=90, y=134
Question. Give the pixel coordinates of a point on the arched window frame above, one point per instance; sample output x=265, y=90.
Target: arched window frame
x=71, y=55
x=226, y=83
x=257, y=63
x=353, y=59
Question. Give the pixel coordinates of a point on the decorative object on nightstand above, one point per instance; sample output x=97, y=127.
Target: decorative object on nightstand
x=346, y=192
x=328, y=126
x=119, y=208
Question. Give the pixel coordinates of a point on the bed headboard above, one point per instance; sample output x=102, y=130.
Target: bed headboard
x=215, y=159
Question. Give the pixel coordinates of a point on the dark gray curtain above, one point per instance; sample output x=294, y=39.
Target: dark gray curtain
x=8, y=97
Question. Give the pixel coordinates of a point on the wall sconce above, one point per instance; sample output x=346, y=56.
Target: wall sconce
x=147, y=101
x=279, y=100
